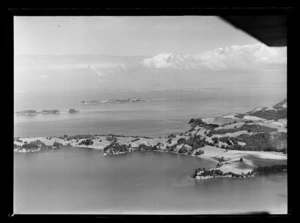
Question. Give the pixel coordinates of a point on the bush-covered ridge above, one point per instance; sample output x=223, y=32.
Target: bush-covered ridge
x=278, y=111
x=198, y=122
x=202, y=173
x=246, y=127
x=258, y=142
x=270, y=114
x=36, y=145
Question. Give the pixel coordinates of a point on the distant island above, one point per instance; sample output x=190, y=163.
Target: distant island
x=46, y=112
x=115, y=101
x=241, y=145
x=43, y=112
x=73, y=111
x=27, y=112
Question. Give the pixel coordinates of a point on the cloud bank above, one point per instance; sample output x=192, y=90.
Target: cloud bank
x=247, y=65
x=245, y=57
x=233, y=57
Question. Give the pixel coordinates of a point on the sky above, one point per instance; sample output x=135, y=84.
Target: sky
x=124, y=35
x=64, y=54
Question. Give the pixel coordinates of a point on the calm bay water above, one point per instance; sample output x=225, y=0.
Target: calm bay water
x=81, y=180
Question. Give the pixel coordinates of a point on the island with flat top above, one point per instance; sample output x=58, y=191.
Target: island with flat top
x=115, y=101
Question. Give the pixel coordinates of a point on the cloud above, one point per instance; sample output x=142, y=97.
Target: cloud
x=242, y=60
x=233, y=57
x=106, y=69
x=44, y=76
x=168, y=60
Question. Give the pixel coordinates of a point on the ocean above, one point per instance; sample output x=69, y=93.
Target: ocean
x=167, y=112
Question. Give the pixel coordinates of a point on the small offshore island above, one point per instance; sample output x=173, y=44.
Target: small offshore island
x=241, y=145
x=115, y=101
x=43, y=112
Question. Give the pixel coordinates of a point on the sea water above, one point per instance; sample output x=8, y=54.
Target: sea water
x=83, y=181
x=167, y=112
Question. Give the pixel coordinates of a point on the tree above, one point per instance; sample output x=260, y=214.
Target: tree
x=181, y=141
x=87, y=142
x=30, y=146
x=73, y=111
x=183, y=150
x=199, y=152
x=241, y=159
x=57, y=144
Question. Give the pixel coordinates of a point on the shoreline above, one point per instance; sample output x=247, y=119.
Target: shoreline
x=239, y=145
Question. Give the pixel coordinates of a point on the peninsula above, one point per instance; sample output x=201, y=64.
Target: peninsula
x=241, y=145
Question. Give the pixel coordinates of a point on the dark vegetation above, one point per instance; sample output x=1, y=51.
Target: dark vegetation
x=259, y=170
x=27, y=112
x=279, y=105
x=279, y=113
x=199, y=152
x=114, y=148
x=220, y=159
x=54, y=111
x=258, y=142
x=72, y=111
x=239, y=115
x=271, y=169
x=16, y=146
x=171, y=136
x=111, y=138
x=217, y=172
x=30, y=146
x=134, y=140
x=181, y=141
x=183, y=150
x=86, y=142
x=196, y=142
x=57, y=144
x=198, y=122
x=34, y=145
x=77, y=137
x=249, y=128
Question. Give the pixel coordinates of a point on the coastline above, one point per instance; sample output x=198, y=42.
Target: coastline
x=238, y=143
